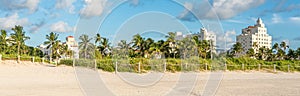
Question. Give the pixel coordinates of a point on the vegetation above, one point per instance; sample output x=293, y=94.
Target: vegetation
x=188, y=54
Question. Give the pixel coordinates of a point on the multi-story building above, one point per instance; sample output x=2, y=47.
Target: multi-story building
x=210, y=36
x=255, y=37
x=70, y=42
x=72, y=45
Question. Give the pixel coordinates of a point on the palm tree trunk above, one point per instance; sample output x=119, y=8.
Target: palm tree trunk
x=18, y=53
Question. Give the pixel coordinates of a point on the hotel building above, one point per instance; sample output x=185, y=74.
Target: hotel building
x=257, y=33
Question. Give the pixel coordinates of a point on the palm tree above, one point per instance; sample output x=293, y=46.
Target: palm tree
x=171, y=46
x=3, y=41
x=105, y=46
x=138, y=41
x=255, y=47
x=19, y=38
x=251, y=52
x=283, y=46
x=237, y=48
x=51, y=40
x=298, y=53
x=85, y=46
x=123, y=44
x=98, y=38
x=291, y=54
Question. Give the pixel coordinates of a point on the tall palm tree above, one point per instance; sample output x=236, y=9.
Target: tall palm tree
x=237, y=48
x=291, y=55
x=171, y=44
x=3, y=41
x=255, y=47
x=85, y=46
x=138, y=41
x=298, y=53
x=156, y=48
x=251, y=52
x=123, y=44
x=19, y=38
x=283, y=46
x=98, y=38
x=105, y=46
x=52, y=38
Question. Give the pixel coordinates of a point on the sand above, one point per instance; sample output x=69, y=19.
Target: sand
x=35, y=79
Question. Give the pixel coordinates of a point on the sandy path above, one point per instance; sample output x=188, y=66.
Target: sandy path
x=28, y=79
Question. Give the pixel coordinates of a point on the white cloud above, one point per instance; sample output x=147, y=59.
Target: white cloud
x=235, y=21
x=134, y=2
x=65, y=4
x=276, y=19
x=295, y=19
x=229, y=39
x=61, y=27
x=93, y=8
x=32, y=5
x=10, y=21
x=9, y=5
x=221, y=9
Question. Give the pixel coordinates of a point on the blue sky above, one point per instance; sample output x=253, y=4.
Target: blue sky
x=119, y=19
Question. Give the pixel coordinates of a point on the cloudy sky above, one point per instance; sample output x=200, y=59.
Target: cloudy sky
x=120, y=19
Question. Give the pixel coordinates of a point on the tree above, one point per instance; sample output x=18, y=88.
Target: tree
x=170, y=44
x=298, y=53
x=51, y=40
x=283, y=46
x=291, y=54
x=138, y=41
x=19, y=38
x=3, y=41
x=86, y=48
x=123, y=44
x=250, y=52
x=98, y=38
x=105, y=46
x=237, y=48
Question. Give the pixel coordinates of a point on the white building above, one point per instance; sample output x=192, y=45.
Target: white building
x=72, y=45
x=210, y=36
x=257, y=33
x=70, y=42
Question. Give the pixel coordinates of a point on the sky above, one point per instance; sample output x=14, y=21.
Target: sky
x=121, y=19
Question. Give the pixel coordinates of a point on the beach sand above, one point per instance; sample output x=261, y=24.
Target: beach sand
x=35, y=79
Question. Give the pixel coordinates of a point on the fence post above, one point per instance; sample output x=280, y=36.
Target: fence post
x=43, y=60
x=139, y=67
x=185, y=65
x=116, y=67
x=243, y=67
x=274, y=68
x=225, y=66
x=259, y=67
x=289, y=68
x=165, y=66
x=95, y=61
x=32, y=59
x=18, y=59
x=0, y=57
x=205, y=66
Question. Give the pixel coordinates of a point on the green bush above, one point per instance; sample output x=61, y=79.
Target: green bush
x=68, y=62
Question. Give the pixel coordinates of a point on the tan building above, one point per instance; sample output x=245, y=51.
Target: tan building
x=257, y=33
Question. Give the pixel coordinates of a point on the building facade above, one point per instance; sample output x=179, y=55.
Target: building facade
x=70, y=42
x=72, y=45
x=210, y=36
x=255, y=37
